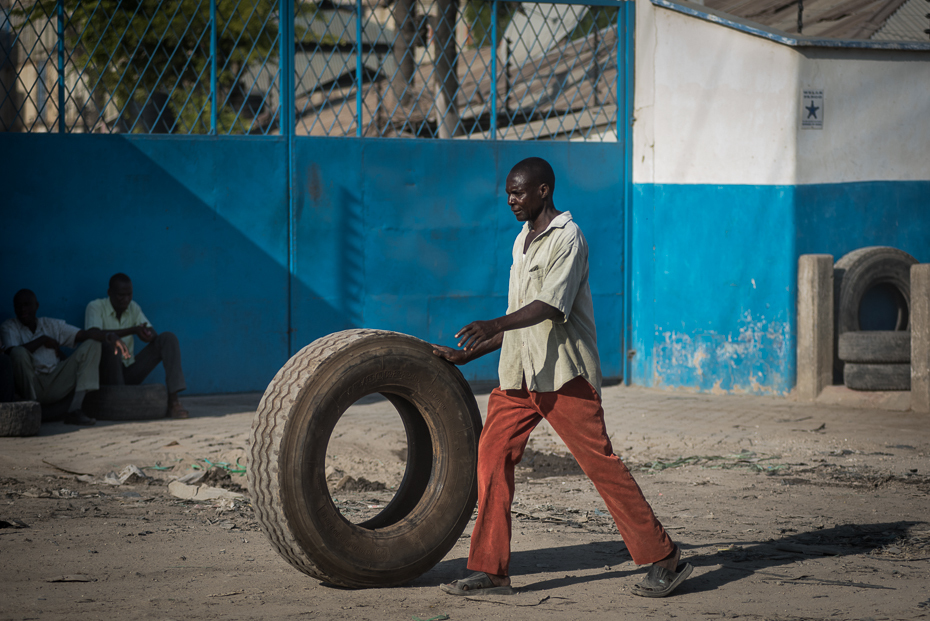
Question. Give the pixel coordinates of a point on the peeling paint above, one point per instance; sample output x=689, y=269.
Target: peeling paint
x=751, y=361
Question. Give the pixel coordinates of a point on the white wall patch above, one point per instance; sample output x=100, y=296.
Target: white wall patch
x=812, y=109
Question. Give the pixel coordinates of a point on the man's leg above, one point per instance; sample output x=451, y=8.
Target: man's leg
x=24, y=374
x=575, y=413
x=511, y=418
x=78, y=373
x=165, y=349
x=111, y=366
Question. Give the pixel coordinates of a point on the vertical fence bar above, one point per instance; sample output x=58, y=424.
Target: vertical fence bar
x=61, y=66
x=358, y=68
x=287, y=122
x=494, y=69
x=213, y=95
x=625, y=51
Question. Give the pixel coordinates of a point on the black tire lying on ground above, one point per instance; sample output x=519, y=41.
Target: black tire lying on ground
x=854, y=275
x=126, y=403
x=875, y=346
x=20, y=418
x=292, y=428
x=859, y=376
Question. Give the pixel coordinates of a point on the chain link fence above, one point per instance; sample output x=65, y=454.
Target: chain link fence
x=479, y=69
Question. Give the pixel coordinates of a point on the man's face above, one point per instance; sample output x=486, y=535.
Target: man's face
x=524, y=197
x=120, y=296
x=25, y=308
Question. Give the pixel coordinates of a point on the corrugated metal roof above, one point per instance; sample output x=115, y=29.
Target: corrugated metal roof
x=833, y=19
x=907, y=23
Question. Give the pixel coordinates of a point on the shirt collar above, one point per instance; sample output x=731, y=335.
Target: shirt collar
x=108, y=306
x=558, y=222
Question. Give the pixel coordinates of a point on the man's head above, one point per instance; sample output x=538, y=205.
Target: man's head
x=25, y=305
x=530, y=185
x=120, y=292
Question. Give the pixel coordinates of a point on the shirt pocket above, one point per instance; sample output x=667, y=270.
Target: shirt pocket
x=534, y=280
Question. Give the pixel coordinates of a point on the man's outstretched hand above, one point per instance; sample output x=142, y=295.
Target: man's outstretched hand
x=455, y=356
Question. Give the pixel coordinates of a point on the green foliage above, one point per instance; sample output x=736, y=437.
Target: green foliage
x=596, y=18
x=477, y=15
x=132, y=49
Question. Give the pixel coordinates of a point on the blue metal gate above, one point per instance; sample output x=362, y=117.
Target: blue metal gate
x=392, y=125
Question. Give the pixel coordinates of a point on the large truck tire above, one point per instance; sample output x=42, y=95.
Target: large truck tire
x=854, y=275
x=287, y=458
x=20, y=418
x=859, y=376
x=875, y=346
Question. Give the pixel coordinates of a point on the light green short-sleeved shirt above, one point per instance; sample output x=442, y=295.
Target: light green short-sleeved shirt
x=554, y=270
x=100, y=314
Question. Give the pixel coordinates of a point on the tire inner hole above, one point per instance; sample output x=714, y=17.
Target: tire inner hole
x=375, y=460
x=883, y=307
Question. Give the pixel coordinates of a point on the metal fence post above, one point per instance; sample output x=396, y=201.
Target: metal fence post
x=358, y=68
x=625, y=50
x=494, y=69
x=61, y=66
x=213, y=95
x=288, y=120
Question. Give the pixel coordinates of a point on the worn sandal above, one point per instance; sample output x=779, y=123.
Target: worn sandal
x=478, y=583
x=660, y=582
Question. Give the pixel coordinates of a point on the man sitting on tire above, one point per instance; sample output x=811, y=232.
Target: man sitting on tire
x=549, y=369
x=119, y=314
x=40, y=370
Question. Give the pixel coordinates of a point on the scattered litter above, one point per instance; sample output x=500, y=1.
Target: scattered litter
x=192, y=478
x=72, y=578
x=236, y=468
x=745, y=459
x=200, y=492
x=517, y=599
x=796, y=549
x=436, y=618
x=48, y=463
x=157, y=466
x=85, y=478
x=231, y=593
x=13, y=523
x=361, y=484
x=130, y=475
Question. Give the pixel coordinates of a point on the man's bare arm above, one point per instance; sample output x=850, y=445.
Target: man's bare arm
x=482, y=337
x=475, y=334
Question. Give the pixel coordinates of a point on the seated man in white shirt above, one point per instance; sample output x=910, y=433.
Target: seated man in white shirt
x=40, y=370
x=119, y=314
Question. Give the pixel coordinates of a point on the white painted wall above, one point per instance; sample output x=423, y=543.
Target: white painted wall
x=715, y=105
x=876, y=118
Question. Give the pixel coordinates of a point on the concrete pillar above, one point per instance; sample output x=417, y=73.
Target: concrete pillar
x=920, y=337
x=815, y=324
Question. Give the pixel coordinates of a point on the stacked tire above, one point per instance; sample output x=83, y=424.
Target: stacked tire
x=872, y=359
x=876, y=359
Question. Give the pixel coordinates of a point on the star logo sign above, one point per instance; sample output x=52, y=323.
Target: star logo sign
x=812, y=110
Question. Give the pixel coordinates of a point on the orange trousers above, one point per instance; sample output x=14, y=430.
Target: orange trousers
x=575, y=413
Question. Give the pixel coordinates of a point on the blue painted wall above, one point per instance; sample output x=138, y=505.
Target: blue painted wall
x=406, y=235
x=715, y=272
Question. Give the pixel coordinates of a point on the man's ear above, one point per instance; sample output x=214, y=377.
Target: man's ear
x=543, y=190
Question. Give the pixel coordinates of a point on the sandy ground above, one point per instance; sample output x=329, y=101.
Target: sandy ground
x=786, y=511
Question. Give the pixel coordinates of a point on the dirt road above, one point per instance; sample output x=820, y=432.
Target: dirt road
x=787, y=511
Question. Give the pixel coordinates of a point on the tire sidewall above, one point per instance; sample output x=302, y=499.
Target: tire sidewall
x=349, y=554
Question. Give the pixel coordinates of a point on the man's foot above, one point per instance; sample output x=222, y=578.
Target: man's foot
x=77, y=417
x=479, y=583
x=176, y=410
x=664, y=576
